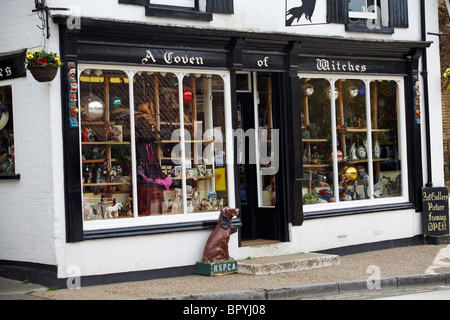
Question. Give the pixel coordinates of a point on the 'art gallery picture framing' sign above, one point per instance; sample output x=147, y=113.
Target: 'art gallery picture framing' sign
x=435, y=211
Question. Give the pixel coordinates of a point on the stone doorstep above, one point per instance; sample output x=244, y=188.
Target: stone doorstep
x=287, y=263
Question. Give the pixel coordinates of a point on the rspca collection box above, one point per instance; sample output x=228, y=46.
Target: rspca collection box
x=216, y=268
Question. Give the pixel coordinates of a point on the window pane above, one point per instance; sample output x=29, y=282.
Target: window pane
x=357, y=5
x=158, y=153
x=6, y=132
x=106, y=148
x=385, y=139
x=178, y=3
x=316, y=142
x=204, y=121
x=352, y=140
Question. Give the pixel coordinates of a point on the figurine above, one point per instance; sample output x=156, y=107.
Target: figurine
x=353, y=153
x=364, y=177
x=378, y=188
x=376, y=149
x=113, y=211
x=216, y=248
x=175, y=205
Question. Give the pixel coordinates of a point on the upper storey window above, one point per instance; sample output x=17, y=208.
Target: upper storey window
x=177, y=3
x=365, y=9
x=380, y=16
x=184, y=9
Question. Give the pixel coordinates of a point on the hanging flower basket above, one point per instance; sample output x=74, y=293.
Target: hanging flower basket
x=44, y=74
x=42, y=65
x=447, y=79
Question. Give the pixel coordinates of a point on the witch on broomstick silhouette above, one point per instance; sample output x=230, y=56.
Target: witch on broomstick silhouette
x=307, y=9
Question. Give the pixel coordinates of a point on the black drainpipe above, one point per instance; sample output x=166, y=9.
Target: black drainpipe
x=425, y=95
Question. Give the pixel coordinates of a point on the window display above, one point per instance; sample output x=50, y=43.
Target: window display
x=7, y=167
x=351, y=140
x=175, y=151
x=106, y=146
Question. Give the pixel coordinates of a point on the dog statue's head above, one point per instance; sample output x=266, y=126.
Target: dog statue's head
x=226, y=215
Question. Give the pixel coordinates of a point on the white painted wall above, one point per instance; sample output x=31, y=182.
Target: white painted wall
x=249, y=16
x=31, y=206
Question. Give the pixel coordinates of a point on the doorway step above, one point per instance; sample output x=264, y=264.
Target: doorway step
x=287, y=263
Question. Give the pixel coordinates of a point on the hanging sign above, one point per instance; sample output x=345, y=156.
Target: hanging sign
x=12, y=65
x=435, y=211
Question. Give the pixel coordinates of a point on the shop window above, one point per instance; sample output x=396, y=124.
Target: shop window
x=106, y=144
x=7, y=160
x=155, y=148
x=352, y=142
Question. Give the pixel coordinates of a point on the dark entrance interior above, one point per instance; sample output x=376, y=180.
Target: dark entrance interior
x=258, y=109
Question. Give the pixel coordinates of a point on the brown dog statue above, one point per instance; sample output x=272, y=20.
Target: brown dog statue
x=216, y=248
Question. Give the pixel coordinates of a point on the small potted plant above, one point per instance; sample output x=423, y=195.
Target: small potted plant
x=42, y=65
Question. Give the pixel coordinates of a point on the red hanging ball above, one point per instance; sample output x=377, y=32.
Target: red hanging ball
x=187, y=97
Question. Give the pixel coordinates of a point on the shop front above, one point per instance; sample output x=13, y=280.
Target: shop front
x=175, y=126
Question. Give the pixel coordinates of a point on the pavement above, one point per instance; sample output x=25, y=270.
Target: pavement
x=402, y=267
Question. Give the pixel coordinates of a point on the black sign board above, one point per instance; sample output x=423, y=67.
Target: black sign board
x=264, y=62
x=435, y=211
x=12, y=65
x=152, y=56
x=351, y=66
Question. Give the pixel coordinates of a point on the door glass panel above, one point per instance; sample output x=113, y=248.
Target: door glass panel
x=267, y=142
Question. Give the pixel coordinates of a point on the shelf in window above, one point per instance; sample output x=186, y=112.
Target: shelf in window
x=174, y=123
x=357, y=130
x=179, y=159
x=365, y=160
x=314, y=140
x=96, y=143
x=198, y=177
x=105, y=184
x=96, y=160
x=186, y=141
x=86, y=122
x=315, y=166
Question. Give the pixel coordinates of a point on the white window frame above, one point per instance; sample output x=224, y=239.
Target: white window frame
x=136, y=220
x=174, y=3
x=370, y=13
x=401, y=123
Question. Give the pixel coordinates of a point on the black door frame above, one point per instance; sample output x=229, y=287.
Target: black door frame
x=268, y=223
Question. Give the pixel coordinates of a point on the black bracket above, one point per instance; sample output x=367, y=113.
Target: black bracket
x=42, y=8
